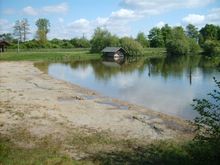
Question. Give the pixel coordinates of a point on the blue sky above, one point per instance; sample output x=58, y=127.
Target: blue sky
x=73, y=18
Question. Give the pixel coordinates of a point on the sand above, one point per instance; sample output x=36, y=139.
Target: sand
x=44, y=106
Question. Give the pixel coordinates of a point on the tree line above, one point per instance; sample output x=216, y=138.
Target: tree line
x=176, y=40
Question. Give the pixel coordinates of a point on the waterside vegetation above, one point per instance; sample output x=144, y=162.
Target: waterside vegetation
x=176, y=40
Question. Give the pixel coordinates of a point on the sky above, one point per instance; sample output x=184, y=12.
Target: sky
x=75, y=18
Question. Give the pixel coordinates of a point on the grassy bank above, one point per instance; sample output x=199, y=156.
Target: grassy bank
x=154, y=52
x=48, y=55
x=64, y=54
x=102, y=150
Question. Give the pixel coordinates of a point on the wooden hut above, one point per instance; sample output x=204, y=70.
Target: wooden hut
x=3, y=45
x=114, y=52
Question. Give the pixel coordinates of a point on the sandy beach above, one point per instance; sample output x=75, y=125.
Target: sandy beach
x=33, y=101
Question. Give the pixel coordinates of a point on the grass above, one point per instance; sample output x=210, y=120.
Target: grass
x=64, y=54
x=165, y=152
x=50, y=50
x=99, y=147
x=154, y=52
x=10, y=154
x=48, y=55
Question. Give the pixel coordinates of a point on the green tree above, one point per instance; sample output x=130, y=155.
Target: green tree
x=18, y=29
x=178, y=44
x=194, y=47
x=209, y=32
x=22, y=29
x=166, y=31
x=83, y=43
x=42, y=29
x=192, y=32
x=25, y=27
x=132, y=47
x=57, y=43
x=142, y=39
x=211, y=47
x=193, y=37
x=156, y=38
x=101, y=39
x=80, y=42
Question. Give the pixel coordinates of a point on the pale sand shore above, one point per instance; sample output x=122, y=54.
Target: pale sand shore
x=32, y=100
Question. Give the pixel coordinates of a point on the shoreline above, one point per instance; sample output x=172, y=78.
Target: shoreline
x=32, y=100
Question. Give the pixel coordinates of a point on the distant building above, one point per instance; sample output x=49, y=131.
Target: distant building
x=114, y=52
x=3, y=45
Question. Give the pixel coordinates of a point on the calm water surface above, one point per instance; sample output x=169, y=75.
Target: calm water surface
x=162, y=84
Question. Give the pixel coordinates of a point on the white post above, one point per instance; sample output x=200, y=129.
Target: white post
x=18, y=50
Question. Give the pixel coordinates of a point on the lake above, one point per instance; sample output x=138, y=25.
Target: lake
x=167, y=85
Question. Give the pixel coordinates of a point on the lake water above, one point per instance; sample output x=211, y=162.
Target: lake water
x=166, y=85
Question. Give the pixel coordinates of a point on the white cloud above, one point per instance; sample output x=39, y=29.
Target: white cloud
x=80, y=23
x=198, y=3
x=194, y=19
x=211, y=18
x=124, y=14
x=79, y=27
x=149, y=7
x=101, y=21
x=29, y=11
x=116, y=23
x=5, y=26
x=60, y=8
x=160, y=24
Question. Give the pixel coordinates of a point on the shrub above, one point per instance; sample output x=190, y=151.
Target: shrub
x=208, y=121
x=132, y=47
x=177, y=47
x=211, y=47
x=101, y=39
x=194, y=48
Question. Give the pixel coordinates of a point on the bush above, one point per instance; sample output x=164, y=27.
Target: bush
x=194, y=48
x=211, y=47
x=177, y=47
x=208, y=121
x=101, y=39
x=132, y=47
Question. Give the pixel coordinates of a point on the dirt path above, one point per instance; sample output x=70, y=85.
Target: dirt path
x=44, y=106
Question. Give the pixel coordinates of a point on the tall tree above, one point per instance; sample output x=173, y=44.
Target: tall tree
x=18, y=30
x=43, y=26
x=166, y=31
x=156, y=38
x=209, y=32
x=25, y=28
x=142, y=39
x=102, y=38
x=178, y=44
x=21, y=29
x=192, y=32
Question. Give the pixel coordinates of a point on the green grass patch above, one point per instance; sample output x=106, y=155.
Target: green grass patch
x=64, y=54
x=48, y=56
x=154, y=52
x=163, y=153
x=104, y=150
x=10, y=154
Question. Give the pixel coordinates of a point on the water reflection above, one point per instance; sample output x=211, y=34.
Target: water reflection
x=163, y=84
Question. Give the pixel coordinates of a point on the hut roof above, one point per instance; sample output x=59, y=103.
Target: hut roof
x=112, y=49
x=2, y=42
